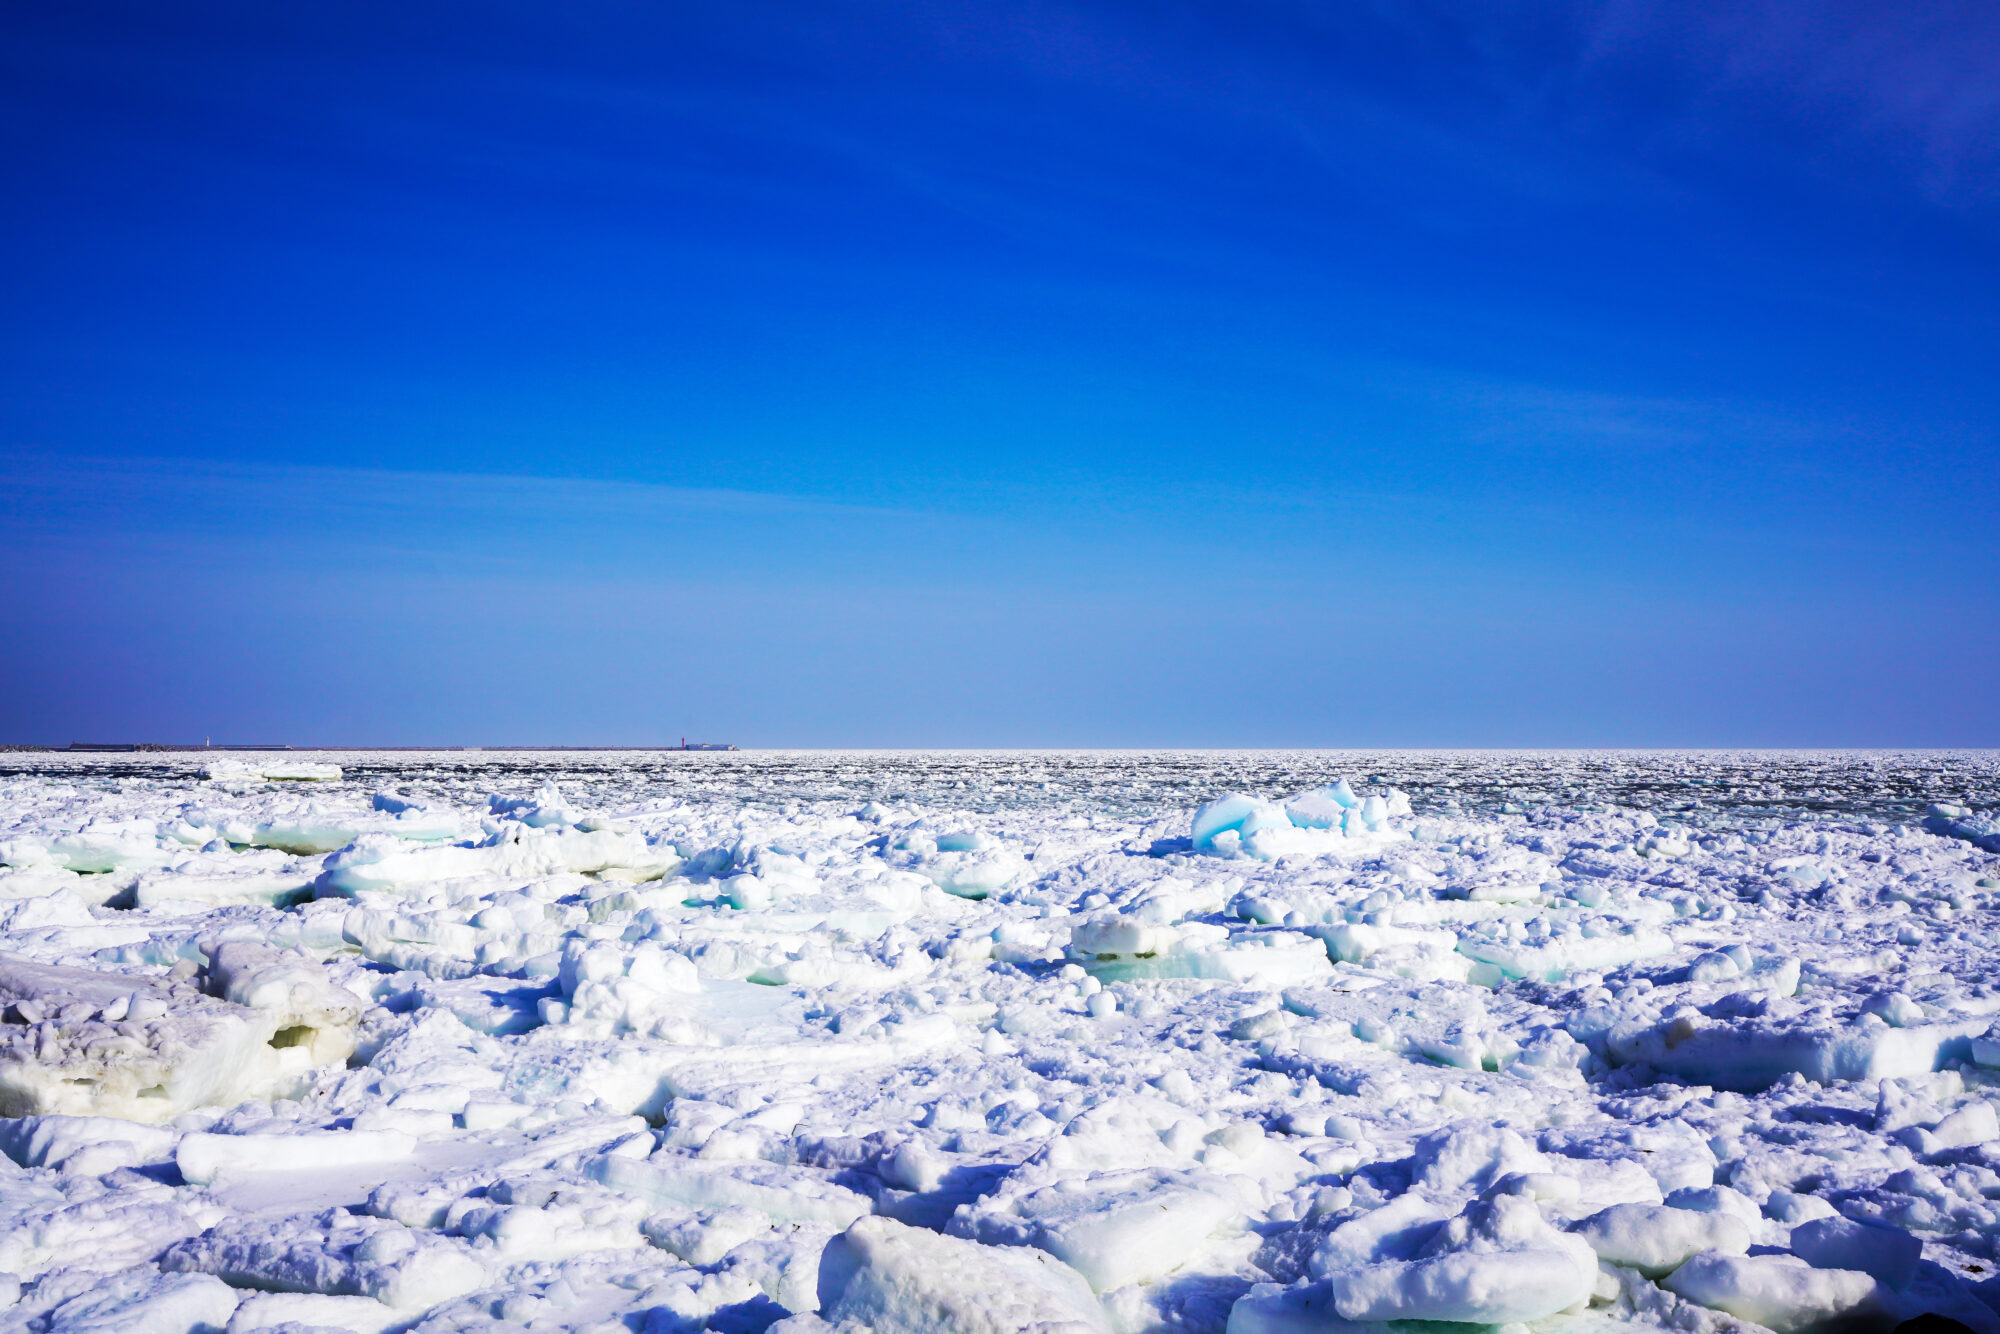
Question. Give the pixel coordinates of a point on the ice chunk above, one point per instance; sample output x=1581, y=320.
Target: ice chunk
x=1119, y=949
x=1551, y=958
x=1749, y=1053
x=100, y=846
x=1487, y=1288
x=1318, y=809
x=84, y=1042
x=384, y=863
x=1781, y=1292
x=1425, y=953
x=1322, y=822
x=141, y=1302
x=1269, y=1308
x=895, y=1279
x=1656, y=1240
x=1959, y=822
x=88, y=1144
x=545, y=810
x=1112, y=934
x=1717, y=1200
x=642, y=989
x=1713, y=966
x=269, y=771
x=525, y=1225
x=1498, y=1262
x=704, y=1237
x=1394, y=1231
x=1473, y=1158
x=309, y=1015
x=159, y=889
x=1888, y=1254
x=1236, y=813
x=1114, y=1228
x=974, y=875
x=1974, y=1123
x=335, y=1253
x=291, y=1311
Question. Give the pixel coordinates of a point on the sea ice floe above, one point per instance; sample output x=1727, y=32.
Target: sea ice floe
x=890, y=1278
x=1656, y=1240
x=1497, y=1263
x=1110, y=1043
x=269, y=771
x=1780, y=1292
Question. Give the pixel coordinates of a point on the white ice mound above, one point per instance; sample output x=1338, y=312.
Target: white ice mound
x=266, y=876
x=99, y=846
x=96, y=1144
x=334, y=1253
x=310, y=1016
x=291, y=1311
x=642, y=989
x=140, y=1301
x=1239, y=814
x=269, y=771
x=1329, y=820
x=1656, y=1240
x=1114, y=1228
x=1747, y=1043
x=546, y=809
x=967, y=863
x=381, y=862
x=1117, y=948
x=894, y=1279
x=1780, y=1292
x=1499, y=1261
x=311, y=831
x=81, y=1042
x=1150, y=938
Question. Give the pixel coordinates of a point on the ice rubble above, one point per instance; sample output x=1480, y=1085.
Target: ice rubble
x=1329, y=819
x=1961, y=822
x=968, y=1043
x=79, y=1041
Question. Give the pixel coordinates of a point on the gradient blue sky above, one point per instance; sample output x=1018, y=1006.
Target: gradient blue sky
x=945, y=374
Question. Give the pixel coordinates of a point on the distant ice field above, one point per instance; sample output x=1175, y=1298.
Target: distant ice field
x=1698, y=787
x=1248, y=1042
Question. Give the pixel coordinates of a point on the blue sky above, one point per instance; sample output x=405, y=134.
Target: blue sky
x=877, y=374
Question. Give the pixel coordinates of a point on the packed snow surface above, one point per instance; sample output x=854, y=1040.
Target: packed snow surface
x=1244, y=1043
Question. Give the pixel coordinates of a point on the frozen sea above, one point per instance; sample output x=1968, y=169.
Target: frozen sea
x=1256, y=1042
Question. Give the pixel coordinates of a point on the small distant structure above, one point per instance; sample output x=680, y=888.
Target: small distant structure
x=701, y=745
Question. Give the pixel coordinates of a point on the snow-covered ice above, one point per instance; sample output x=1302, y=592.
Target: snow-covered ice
x=899, y=1042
